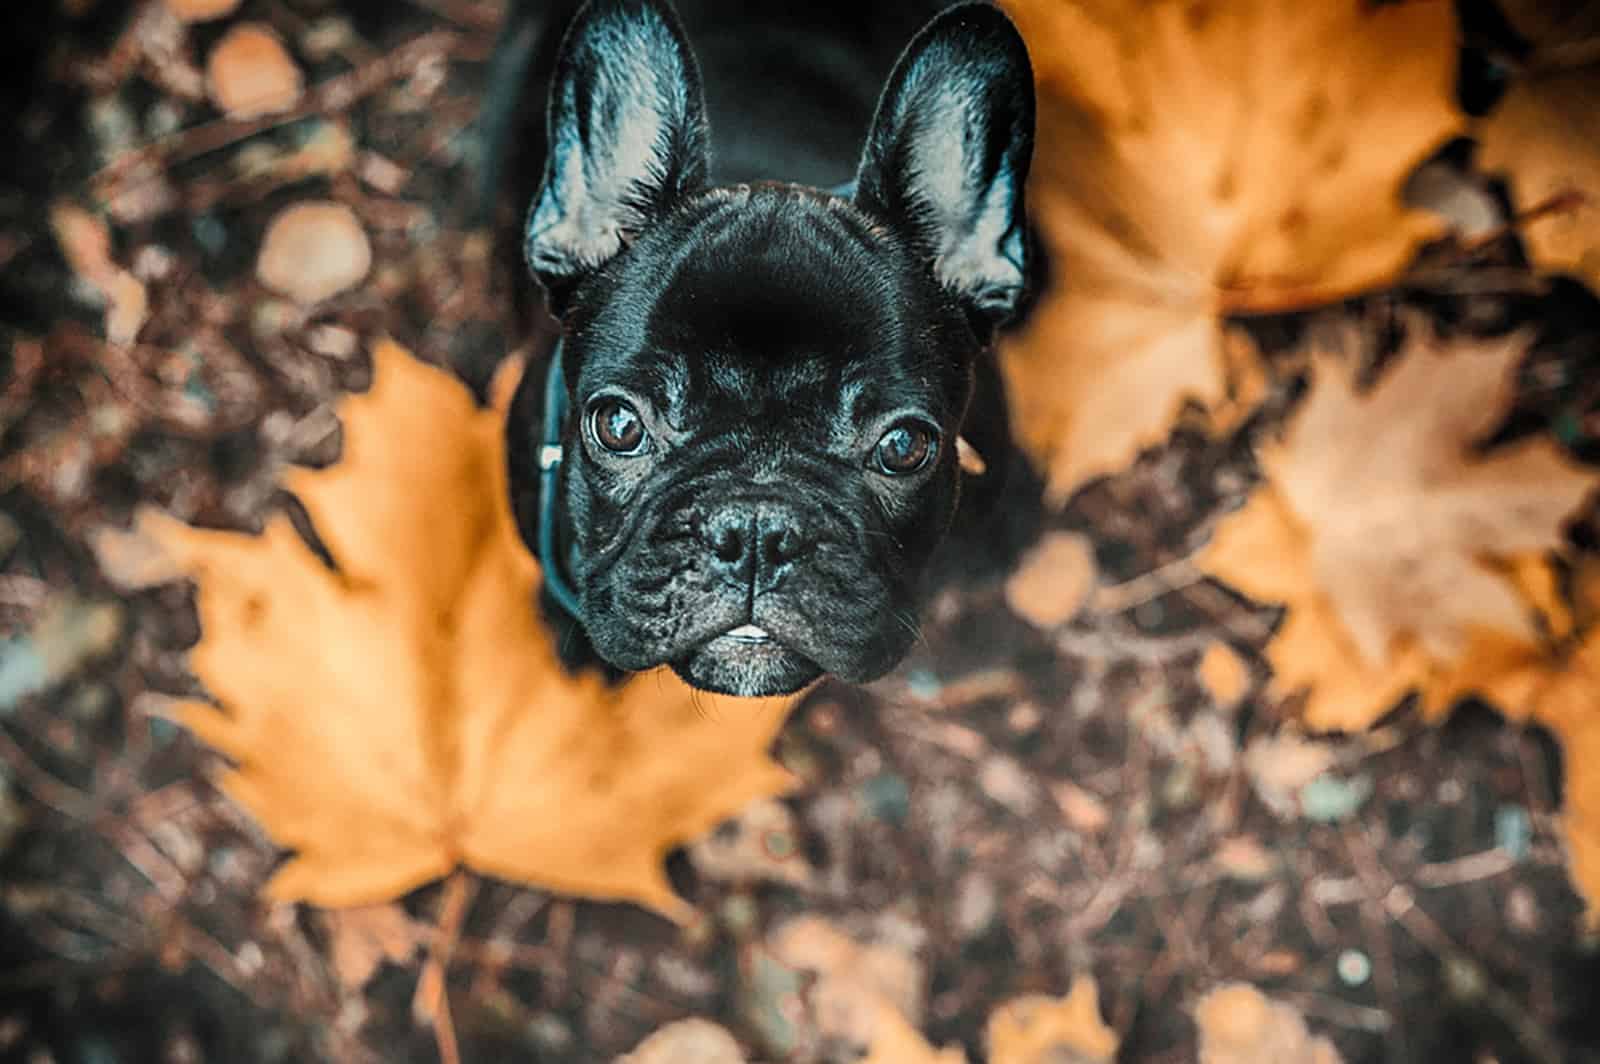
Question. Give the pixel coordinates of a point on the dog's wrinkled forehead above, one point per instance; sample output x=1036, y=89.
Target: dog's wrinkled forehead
x=775, y=300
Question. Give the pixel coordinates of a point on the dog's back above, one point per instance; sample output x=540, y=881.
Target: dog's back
x=790, y=88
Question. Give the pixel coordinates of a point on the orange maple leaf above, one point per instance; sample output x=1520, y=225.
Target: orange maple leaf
x=1545, y=137
x=1196, y=159
x=1391, y=543
x=405, y=712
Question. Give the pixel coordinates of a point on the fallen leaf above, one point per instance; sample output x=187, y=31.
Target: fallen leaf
x=1280, y=765
x=1053, y=580
x=897, y=1042
x=1199, y=159
x=1240, y=1025
x=86, y=245
x=1545, y=137
x=868, y=996
x=854, y=985
x=1042, y=1030
x=406, y=712
x=1380, y=530
x=314, y=251
x=691, y=1041
x=249, y=73
x=365, y=936
x=761, y=844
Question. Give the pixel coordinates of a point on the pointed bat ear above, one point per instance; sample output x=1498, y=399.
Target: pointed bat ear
x=948, y=155
x=628, y=138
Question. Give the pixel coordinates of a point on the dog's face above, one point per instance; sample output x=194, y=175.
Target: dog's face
x=766, y=383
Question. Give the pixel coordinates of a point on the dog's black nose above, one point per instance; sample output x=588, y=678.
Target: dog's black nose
x=752, y=543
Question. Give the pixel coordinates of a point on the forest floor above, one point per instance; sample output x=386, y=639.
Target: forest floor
x=1015, y=806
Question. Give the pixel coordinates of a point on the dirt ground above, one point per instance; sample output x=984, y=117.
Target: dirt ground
x=1014, y=806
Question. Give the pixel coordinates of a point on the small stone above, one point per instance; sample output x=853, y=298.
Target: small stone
x=739, y=915
x=69, y=632
x=201, y=10
x=923, y=684
x=976, y=904
x=1522, y=910
x=249, y=73
x=1513, y=831
x=549, y=1031
x=1329, y=799
x=1354, y=967
x=313, y=251
x=333, y=341
x=887, y=797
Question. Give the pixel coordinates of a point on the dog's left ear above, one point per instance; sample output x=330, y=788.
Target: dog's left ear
x=627, y=136
x=948, y=155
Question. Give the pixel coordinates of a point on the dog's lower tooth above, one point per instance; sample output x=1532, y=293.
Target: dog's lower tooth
x=749, y=631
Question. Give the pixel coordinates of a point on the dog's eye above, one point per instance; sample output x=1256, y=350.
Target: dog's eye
x=906, y=448
x=617, y=427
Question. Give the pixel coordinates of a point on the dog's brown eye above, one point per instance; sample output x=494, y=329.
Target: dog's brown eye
x=617, y=427
x=906, y=448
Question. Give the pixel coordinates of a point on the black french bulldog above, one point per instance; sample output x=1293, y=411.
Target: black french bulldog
x=745, y=451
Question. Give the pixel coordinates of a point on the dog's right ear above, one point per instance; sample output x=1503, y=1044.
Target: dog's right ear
x=628, y=139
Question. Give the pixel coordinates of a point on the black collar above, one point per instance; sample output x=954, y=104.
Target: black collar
x=550, y=455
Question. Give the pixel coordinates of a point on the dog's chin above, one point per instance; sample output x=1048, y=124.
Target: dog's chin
x=731, y=666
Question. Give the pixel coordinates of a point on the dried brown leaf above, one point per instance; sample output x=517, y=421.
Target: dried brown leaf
x=1379, y=527
x=1196, y=159
x=1240, y=1025
x=406, y=713
x=365, y=936
x=1545, y=136
x=1042, y=1030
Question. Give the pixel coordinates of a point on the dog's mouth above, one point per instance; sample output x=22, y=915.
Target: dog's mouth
x=748, y=661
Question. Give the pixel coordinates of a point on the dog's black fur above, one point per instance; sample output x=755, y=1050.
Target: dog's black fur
x=768, y=351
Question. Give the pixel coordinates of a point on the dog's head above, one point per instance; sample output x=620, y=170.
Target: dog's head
x=766, y=382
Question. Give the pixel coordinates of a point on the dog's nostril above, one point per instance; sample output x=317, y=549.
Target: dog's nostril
x=727, y=543
x=780, y=546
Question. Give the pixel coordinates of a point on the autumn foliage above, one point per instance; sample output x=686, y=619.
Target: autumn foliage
x=404, y=711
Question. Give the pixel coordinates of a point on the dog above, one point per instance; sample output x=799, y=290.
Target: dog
x=744, y=451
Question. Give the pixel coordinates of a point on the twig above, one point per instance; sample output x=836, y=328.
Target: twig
x=336, y=94
x=431, y=1004
x=1146, y=587
x=45, y=788
x=1475, y=866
